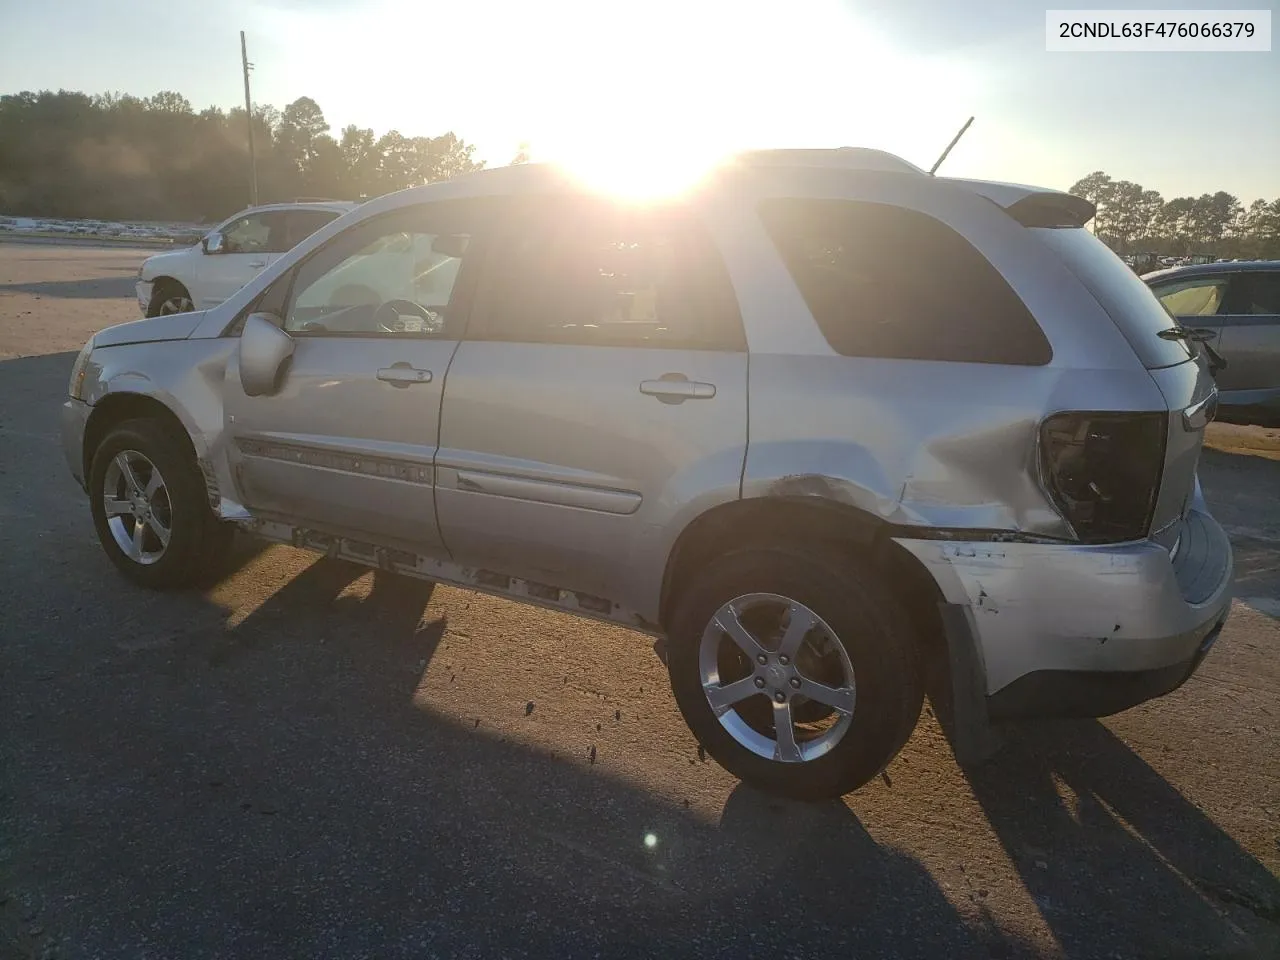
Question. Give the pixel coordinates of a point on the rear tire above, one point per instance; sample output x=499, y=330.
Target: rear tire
x=151, y=508
x=871, y=678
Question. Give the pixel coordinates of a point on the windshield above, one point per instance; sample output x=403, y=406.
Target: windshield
x=1129, y=301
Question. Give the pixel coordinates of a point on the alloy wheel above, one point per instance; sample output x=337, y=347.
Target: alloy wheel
x=176, y=304
x=136, y=503
x=777, y=677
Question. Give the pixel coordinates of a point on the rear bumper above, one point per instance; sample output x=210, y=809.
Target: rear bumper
x=1064, y=629
x=1098, y=693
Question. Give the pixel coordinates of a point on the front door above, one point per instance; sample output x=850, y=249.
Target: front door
x=348, y=441
x=249, y=244
x=600, y=390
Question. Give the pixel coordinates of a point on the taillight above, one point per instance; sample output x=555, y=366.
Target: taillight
x=1103, y=471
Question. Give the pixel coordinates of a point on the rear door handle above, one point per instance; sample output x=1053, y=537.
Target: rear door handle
x=257, y=263
x=677, y=388
x=403, y=375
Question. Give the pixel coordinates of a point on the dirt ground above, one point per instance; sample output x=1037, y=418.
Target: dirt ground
x=310, y=760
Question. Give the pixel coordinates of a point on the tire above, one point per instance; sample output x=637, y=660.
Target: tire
x=169, y=297
x=851, y=609
x=197, y=541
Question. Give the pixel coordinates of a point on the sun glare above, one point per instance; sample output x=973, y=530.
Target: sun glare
x=637, y=175
x=642, y=97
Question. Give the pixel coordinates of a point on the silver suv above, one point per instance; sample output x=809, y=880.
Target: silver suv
x=828, y=427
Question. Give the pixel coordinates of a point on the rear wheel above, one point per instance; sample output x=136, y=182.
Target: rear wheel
x=795, y=669
x=170, y=297
x=150, y=507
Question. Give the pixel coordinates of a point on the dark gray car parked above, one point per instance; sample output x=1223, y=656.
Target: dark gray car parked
x=1240, y=303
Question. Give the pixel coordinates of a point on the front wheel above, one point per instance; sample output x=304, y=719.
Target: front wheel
x=150, y=507
x=170, y=297
x=795, y=670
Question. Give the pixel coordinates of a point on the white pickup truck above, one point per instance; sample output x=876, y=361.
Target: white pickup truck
x=229, y=256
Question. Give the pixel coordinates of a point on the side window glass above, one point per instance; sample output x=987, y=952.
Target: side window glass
x=1262, y=295
x=388, y=278
x=885, y=281
x=303, y=223
x=1199, y=297
x=603, y=278
x=251, y=234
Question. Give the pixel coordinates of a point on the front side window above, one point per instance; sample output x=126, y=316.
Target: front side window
x=599, y=276
x=255, y=233
x=883, y=281
x=389, y=277
x=1198, y=297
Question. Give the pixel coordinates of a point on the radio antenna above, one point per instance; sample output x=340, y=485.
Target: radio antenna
x=954, y=140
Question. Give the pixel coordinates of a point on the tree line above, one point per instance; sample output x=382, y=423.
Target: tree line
x=116, y=156
x=120, y=157
x=1132, y=219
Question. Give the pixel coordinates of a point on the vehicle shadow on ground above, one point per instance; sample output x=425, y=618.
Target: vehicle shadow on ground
x=96, y=288
x=558, y=844
x=1115, y=857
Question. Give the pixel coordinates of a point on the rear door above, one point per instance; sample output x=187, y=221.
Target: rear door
x=601, y=385
x=1251, y=338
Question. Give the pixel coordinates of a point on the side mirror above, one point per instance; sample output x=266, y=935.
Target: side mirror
x=264, y=348
x=213, y=243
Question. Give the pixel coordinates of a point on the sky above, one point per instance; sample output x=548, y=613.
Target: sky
x=693, y=78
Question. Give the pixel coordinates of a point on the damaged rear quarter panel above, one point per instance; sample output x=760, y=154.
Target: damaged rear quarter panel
x=919, y=443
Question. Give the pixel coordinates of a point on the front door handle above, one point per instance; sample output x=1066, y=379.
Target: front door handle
x=403, y=375
x=257, y=263
x=677, y=388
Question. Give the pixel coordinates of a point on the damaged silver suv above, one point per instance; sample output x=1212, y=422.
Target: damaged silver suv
x=828, y=427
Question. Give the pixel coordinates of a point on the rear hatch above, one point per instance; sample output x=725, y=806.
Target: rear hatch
x=1058, y=220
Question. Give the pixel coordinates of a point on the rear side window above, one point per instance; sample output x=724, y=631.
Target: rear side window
x=1120, y=291
x=303, y=223
x=589, y=274
x=1259, y=293
x=883, y=281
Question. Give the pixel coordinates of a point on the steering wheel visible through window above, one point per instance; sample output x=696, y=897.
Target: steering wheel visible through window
x=388, y=282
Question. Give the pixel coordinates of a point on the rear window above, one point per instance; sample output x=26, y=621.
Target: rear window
x=883, y=281
x=1120, y=291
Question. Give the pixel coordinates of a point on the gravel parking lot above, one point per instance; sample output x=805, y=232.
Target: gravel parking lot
x=308, y=760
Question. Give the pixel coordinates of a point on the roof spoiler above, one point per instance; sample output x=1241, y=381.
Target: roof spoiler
x=1052, y=210
x=1033, y=206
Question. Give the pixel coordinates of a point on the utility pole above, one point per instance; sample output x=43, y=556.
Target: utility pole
x=248, y=116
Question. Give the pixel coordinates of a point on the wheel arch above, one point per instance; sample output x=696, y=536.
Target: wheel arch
x=761, y=521
x=116, y=408
x=160, y=285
